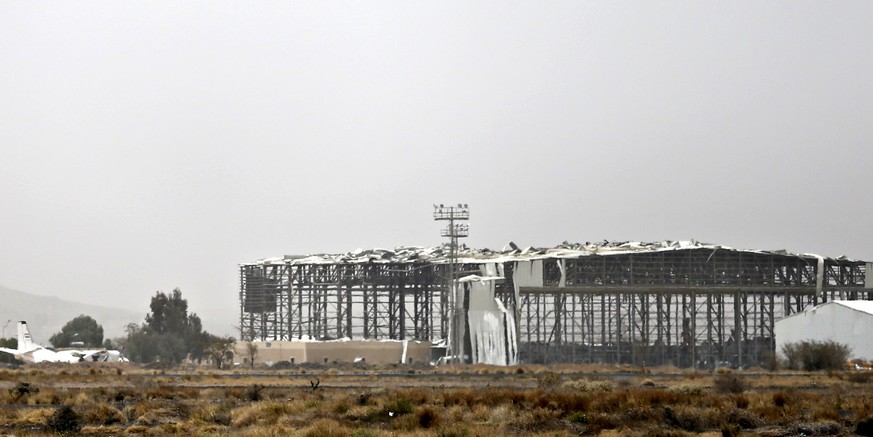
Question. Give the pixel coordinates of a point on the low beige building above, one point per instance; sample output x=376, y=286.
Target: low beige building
x=326, y=352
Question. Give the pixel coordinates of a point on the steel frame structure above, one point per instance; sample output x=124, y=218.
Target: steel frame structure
x=691, y=307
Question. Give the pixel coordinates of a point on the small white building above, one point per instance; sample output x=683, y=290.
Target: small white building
x=849, y=322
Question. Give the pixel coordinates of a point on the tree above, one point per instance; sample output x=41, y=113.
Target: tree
x=251, y=352
x=169, y=313
x=81, y=329
x=169, y=332
x=219, y=350
x=9, y=343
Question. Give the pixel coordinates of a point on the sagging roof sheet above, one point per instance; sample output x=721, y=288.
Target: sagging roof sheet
x=440, y=254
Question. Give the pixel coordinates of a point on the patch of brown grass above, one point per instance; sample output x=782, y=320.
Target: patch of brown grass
x=266, y=412
x=33, y=416
x=146, y=403
x=102, y=414
x=325, y=428
x=589, y=385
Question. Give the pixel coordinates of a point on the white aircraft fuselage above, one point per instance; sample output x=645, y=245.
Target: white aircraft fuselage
x=30, y=352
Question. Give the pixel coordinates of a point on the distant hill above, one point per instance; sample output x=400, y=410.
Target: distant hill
x=45, y=315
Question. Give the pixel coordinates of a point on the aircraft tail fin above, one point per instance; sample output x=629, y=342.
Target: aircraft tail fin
x=25, y=341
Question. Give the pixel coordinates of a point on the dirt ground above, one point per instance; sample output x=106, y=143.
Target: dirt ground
x=360, y=400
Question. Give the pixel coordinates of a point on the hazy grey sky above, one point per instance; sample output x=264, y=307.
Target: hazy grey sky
x=150, y=145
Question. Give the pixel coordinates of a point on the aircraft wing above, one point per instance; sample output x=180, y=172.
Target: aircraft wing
x=94, y=355
x=40, y=355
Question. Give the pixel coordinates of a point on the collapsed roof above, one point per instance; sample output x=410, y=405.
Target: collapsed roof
x=440, y=254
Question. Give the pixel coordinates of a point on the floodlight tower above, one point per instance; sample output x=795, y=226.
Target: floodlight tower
x=453, y=231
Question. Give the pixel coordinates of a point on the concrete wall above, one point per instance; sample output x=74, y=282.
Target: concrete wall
x=373, y=352
x=830, y=321
x=868, y=276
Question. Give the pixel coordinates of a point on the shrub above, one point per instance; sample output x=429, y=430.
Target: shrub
x=65, y=421
x=780, y=399
x=860, y=377
x=865, y=427
x=397, y=407
x=586, y=385
x=253, y=393
x=427, y=417
x=741, y=402
x=687, y=389
x=578, y=417
x=261, y=414
x=683, y=419
x=811, y=355
x=325, y=428
x=770, y=361
x=217, y=414
x=21, y=390
x=730, y=383
x=364, y=432
x=548, y=380
x=730, y=430
x=102, y=414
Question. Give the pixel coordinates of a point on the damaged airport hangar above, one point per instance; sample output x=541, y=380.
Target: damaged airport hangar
x=675, y=302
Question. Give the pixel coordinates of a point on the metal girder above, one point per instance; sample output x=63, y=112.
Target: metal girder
x=685, y=307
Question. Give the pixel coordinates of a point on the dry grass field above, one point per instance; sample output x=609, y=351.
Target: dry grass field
x=424, y=401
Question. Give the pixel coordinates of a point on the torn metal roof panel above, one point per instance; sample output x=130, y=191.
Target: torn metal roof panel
x=440, y=254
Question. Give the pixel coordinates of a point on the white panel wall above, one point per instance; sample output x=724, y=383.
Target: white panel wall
x=829, y=321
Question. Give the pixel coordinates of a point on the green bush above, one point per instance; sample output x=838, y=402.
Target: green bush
x=811, y=355
x=578, y=417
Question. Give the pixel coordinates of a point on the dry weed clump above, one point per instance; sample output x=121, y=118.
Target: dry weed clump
x=264, y=413
x=20, y=393
x=688, y=418
x=124, y=394
x=536, y=419
x=162, y=392
x=462, y=397
x=35, y=416
x=730, y=383
x=780, y=398
x=325, y=428
x=136, y=429
x=102, y=414
x=610, y=401
x=589, y=385
x=64, y=421
x=858, y=377
x=427, y=417
x=685, y=389
x=651, y=397
x=212, y=414
x=152, y=412
x=102, y=430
